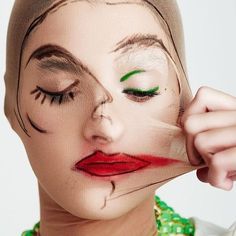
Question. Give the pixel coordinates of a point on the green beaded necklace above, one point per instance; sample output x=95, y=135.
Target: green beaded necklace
x=168, y=222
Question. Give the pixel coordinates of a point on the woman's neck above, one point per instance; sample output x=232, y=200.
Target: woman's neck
x=55, y=221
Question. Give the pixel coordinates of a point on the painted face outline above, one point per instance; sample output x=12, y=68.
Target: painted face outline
x=38, y=20
x=76, y=65
x=72, y=65
x=34, y=124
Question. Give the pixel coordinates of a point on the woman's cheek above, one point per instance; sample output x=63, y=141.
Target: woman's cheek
x=166, y=107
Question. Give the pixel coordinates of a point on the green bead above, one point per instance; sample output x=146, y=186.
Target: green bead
x=189, y=229
x=28, y=233
x=163, y=234
x=166, y=217
x=157, y=199
x=184, y=220
x=170, y=209
x=178, y=229
x=162, y=205
x=36, y=226
x=165, y=229
x=176, y=217
x=158, y=224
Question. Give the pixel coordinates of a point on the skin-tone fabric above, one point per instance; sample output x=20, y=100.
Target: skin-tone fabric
x=71, y=46
x=19, y=26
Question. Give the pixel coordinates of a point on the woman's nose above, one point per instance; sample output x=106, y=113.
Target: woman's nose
x=103, y=126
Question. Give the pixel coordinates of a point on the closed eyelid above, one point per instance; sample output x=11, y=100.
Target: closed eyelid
x=152, y=90
x=58, y=92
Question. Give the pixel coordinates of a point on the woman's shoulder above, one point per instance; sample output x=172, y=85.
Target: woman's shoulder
x=203, y=228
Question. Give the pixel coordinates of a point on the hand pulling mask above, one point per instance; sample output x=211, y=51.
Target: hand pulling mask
x=95, y=90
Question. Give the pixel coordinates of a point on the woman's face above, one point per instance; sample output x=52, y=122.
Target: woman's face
x=96, y=81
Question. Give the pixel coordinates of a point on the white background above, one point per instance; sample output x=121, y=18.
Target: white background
x=210, y=35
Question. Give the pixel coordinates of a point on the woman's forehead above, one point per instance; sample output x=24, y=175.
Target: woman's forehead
x=98, y=28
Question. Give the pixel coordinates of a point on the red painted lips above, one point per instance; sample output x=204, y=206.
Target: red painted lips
x=103, y=165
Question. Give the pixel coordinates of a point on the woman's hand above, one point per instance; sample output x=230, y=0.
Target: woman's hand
x=210, y=125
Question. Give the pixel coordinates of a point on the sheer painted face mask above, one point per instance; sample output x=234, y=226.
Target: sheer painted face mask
x=95, y=91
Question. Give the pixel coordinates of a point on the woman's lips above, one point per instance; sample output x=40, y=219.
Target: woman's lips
x=103, y=165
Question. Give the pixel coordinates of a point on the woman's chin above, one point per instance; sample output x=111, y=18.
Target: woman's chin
x=97, y=206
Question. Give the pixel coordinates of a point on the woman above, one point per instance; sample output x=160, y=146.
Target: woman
x=98, y=93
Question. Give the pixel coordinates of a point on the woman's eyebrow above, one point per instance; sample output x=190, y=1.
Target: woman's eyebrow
x=69, y=63
x=58, y=58
x=139, y=41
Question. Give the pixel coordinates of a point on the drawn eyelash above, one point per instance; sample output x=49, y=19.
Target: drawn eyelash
x=59, y=97
x=139, y=95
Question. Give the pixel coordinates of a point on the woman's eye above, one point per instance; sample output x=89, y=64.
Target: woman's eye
x=139, y=95
x=59, y=97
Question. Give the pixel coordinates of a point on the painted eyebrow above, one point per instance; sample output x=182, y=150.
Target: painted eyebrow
x=65, y=60
x=138, y=40
x=53, y=64
x=71, y=64
x=128, y=75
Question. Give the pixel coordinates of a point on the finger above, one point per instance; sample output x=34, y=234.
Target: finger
x=193, y=123
x=206, y=99
x=193, y=127
x=215, y=140
x=220, y=165
x=233, y=178
x=193, y=155
x=202, y=174
x=232, y=175
x=209, y=99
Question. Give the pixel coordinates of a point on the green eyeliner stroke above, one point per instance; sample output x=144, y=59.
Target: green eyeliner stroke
x=150, y=91
x=127, y=76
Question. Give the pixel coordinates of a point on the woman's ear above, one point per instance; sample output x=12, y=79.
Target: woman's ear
x=9, y=105
x=7, y=111
x=11, y=117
